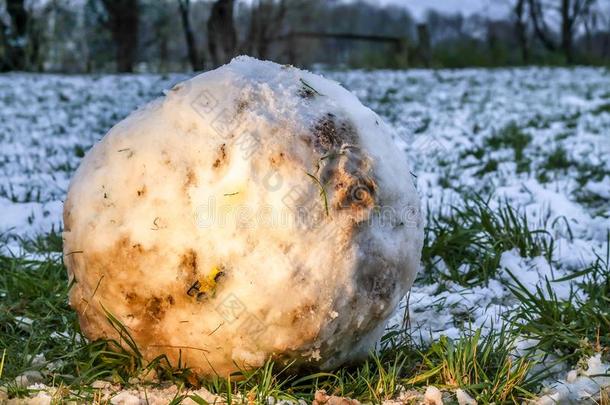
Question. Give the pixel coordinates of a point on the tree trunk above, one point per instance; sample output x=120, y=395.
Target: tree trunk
x=195, y=60
x=590, y=25
x=423, y=45
x=123, y=19
x=590, y=17
x=18, y=38
x=266, y=21
x=539, y=25
x=566, y=31
x=222, y=37
x=521, y=30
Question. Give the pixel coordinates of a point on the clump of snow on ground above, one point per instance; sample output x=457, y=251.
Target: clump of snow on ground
x=105, y=392
x=580, y=386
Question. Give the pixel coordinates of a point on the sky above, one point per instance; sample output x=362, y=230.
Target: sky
x=493, y=8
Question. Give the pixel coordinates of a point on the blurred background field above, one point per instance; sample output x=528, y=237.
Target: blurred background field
x=84, y=36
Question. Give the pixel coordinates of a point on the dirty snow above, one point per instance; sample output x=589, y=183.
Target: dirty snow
x=173, y=160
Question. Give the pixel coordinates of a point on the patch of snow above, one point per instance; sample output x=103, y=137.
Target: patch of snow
x=463, y=398
x=580, y=386
x=433, y=396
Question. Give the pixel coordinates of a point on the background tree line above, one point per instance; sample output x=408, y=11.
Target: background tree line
x=171, y=35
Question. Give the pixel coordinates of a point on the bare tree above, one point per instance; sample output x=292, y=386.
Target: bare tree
x=571, y=13
x=163, y=31
x=521, y=29
x=222, y=37
x=424, y=48
x=604, y=20
x=590, y=23
x=266, y=20
x=540, y=27
x=17, y=40
x=123, y=20
x=4, y=62
x=194, y=58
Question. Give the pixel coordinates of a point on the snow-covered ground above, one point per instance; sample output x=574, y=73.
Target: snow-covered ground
x=444, y=120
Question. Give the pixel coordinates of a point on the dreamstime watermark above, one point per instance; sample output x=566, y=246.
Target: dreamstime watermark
x=227, y=123
x=303, y=206
x=232, y=310
x=300, y=209
x=428, y=144
x=215, y=214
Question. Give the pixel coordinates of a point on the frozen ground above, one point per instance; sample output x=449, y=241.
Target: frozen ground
x=535, y=139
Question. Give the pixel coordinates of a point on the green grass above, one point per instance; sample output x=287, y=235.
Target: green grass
x=490, y=166
x=43, y=244
x=557, y=160
x=539, y=122
x=36, y=319
x=604, y=108
x=572, y=327
x=557, y=163
x=471, y=238
x=484, y=366
x=512, y=136
x=588, y=171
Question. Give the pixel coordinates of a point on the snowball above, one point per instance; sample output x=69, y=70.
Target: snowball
x=463, y=398
x=433, y=396
x=256, y=211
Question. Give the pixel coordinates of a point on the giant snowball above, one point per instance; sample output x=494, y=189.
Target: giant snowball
x=256, y=211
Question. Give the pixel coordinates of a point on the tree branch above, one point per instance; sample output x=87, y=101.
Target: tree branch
x=540, y=26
